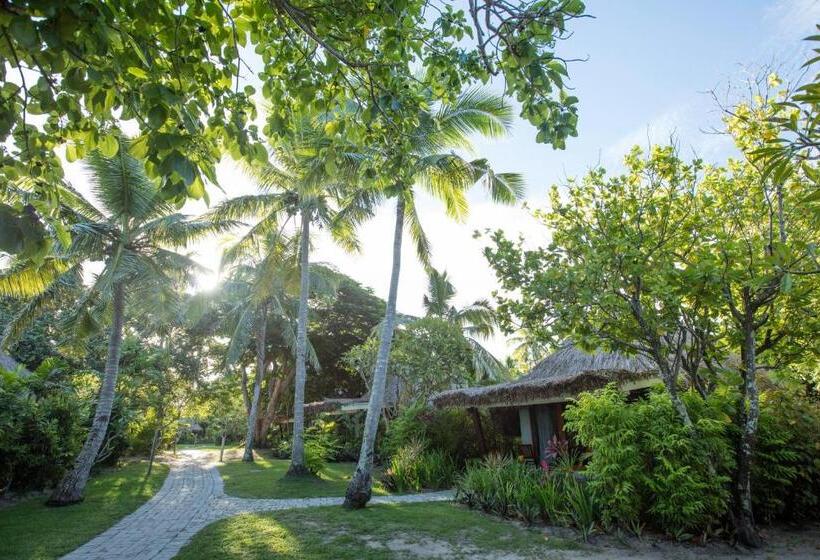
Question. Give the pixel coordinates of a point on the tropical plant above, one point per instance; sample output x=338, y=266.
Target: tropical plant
x=305, y=178
x=478, y=321
x=263, y=292
x=414, y=467
x=446, y=176
x=129, y=233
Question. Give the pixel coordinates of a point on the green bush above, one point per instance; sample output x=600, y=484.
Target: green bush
x=786, y=468
x=440, y=429
x=499, y=485
x=414, y=467
x=321, y=445
x=41, y=430
x=645, y=466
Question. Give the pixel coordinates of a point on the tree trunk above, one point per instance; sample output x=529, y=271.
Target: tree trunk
x=258, y=433
x=270, y=412
x=297, y=459
x=257, y=382
x=359, y=489
x=155, y=441
x=71, y=487
x=222, y=447
x=246, y=398
x=744, y=516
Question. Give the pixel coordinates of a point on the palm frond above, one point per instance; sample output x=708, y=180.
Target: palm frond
x=27, y=279
x=440, y=292
x=179, y=230
x=446, y=177
x=478, y=319
x=486, y=366
x=122, y=186
x=416, y=231
x=247, y=207
x=241, y=336
x=59, y=290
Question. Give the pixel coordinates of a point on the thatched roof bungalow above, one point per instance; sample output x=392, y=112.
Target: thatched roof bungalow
x=539, y=397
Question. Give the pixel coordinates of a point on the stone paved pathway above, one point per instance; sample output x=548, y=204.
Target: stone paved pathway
x=191, y=498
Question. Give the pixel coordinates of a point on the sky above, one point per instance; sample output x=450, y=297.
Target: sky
x=648, y=70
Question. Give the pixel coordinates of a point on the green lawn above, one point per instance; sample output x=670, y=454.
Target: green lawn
x=437, y=530
x=265, y=478
x=30, y=530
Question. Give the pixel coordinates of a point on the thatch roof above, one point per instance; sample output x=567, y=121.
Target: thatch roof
x=564, y=373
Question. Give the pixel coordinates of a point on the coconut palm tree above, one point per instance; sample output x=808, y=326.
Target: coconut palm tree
x=264, y=288
x=426, y=162
x=477, y=320
x=130, y=233
x=301, y=180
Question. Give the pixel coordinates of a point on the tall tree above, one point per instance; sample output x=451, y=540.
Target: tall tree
x=308, y=178
x=129, y=233
x=685, y=264
x=263, y=291
x=446, y=176
x=477, y=320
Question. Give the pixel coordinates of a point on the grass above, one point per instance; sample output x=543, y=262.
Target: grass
x=378, y=532
x=31, y=531
x=265, y=478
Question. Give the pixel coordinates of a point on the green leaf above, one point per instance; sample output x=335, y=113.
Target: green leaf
x=138, y=72
x=157, y=116
x=109, y=145
x=22, y=29
x=72, y=153
x=139, y=147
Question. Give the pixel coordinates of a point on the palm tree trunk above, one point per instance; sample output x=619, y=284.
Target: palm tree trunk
x=257, y=382
x=279, y=386
x=297, y=459
x=359, y=489
x=71, y=487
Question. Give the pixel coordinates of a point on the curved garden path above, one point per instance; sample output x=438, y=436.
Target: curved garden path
x=191, y=498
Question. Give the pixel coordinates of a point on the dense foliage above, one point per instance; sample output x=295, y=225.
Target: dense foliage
x=180, y=76
x=502, y=486
x=427, y=355
x=645, y=467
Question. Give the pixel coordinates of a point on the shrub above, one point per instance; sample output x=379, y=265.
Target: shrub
x=41, y=430
x=413, y=467
x=644, y=464
x=502, y=486
x=786, y=468
x=439, y=429
x=321, y=445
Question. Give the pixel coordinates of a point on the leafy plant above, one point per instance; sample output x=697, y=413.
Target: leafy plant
x=414, y=467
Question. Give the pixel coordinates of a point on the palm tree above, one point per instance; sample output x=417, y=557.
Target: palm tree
x=301, y=180
x=446, y=176
x=129, y=233
x=263, y=288
x=477, y=320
